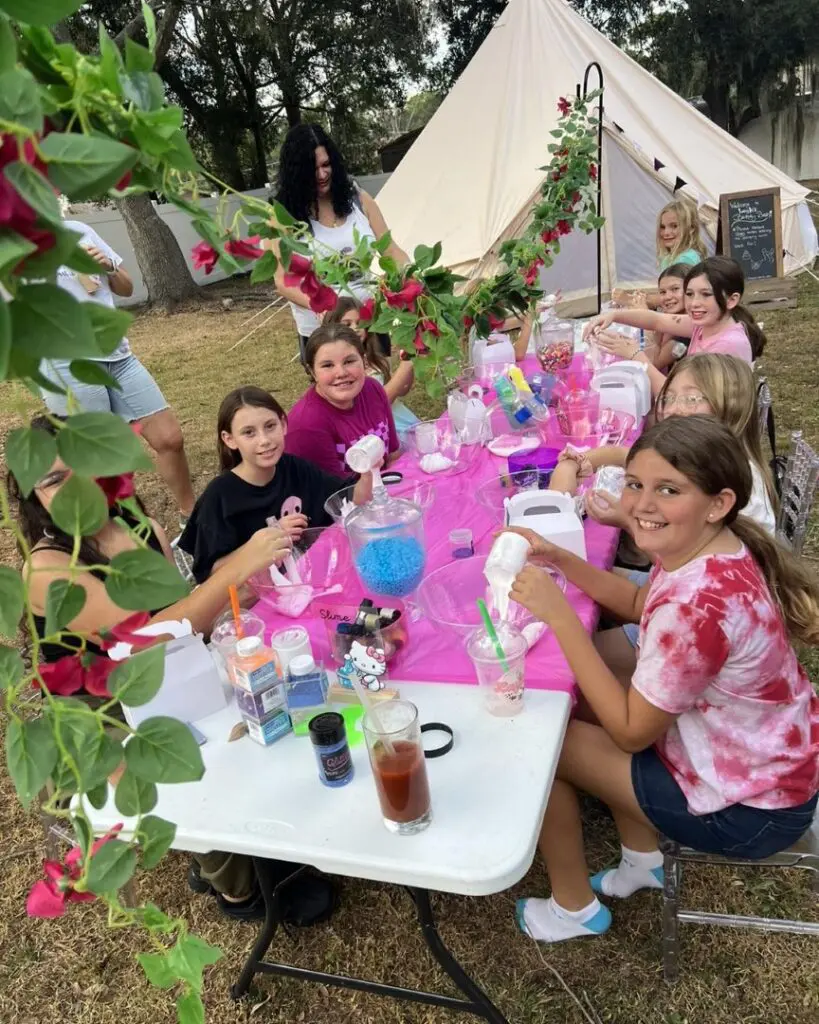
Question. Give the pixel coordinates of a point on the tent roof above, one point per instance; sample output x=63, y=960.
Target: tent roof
x=472, y=173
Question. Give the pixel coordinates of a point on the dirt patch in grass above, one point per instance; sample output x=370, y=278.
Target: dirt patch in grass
x=79, y=971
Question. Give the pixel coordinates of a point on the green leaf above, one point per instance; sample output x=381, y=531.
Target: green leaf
x=89, y=372
x=110, y=60
x=383, y=243
x=145, y=89
x=188, y=958
x=50, y=324
x=100, y=444
x=282, y=216
x=94, y=752
x=164, y=750
x=5, y=340
x=98, y=796
x=155, y=838
x=45, y=264
x=137, y=680
x=35, y=189
x=157, y=969
x=31, y=755
x=40, y=12
x=30, y=454
x=13, y=249
x=8, y=46
x=111, y=866
x=264, y=268
x=150, y=26
x=20, y=99
x=137, y=58
x=143, y=579
x=423, y=257
x=154, y=129
x=155, y=919
x=134, y=795
x=181, y=156
x=79, y=506
x=190, y=1009
x=79, y=259
x=64, y=602
x=109, y=325
x=85, y=166
x=11, y=600
x=11, y=668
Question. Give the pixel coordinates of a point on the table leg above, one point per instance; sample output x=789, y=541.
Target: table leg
x=477, y=1002
x=480, y=1004
x=272, y=919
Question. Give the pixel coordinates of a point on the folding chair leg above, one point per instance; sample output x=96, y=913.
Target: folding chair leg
x=672, y=869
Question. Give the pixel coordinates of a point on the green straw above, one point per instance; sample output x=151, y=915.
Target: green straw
x=493, y=636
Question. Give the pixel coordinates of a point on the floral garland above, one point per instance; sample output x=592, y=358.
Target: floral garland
x=419, y=304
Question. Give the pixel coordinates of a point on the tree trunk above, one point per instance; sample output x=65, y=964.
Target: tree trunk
x=292, y=106
x=160, y=259
x=259, y=172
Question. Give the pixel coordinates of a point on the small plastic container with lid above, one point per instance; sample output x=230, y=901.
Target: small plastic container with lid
x=253, y=666
x=306, y=683
x=329, y=737
x=461, y=543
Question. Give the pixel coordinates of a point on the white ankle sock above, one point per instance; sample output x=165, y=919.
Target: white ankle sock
x=547, y=921
x=635, y=871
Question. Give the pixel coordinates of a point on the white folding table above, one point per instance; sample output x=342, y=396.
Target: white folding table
x=489, y=795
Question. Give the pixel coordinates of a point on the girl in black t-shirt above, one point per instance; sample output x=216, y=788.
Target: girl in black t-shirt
x=258, y=481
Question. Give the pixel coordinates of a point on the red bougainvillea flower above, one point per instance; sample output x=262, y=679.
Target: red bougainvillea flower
x=48, y=897
x=564, y=227
x=322, y=298
x=468, y=322
x=593, y=172
x=406, y=297
x=495, y=322
x=123, y=182
x=64, y=676
x=367, y=311
x=204, y=257
x=431, y=328
x=549, y=236
x=244, y=248
x=126, y=632
x=15, y=212
x=575, y=197
x=532, y=272
x=299, y=266
x=117, y=488
x=564, y=106
x=77, y=672
x=418, y=341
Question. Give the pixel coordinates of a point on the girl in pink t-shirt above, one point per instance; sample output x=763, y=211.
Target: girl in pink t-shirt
x=714, y=739
x=713, y=319
x=342, y=405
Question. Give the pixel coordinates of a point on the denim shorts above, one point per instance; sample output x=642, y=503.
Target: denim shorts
x=737, y=831
x=139, y=395
x=632, y=629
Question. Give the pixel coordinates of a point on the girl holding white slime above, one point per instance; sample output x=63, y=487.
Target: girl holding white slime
x=714, y=741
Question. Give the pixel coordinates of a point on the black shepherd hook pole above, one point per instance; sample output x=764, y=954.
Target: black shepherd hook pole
x=595, y=66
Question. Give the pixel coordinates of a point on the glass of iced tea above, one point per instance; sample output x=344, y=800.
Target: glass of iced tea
x=393, y=735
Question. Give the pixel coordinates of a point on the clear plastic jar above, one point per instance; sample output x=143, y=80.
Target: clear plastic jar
x=555, y=345
x=387, y=540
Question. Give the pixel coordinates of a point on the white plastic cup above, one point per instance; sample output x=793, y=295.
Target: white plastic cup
x=426, y=438
x=501, y=682
x=366, y=454
x=289, y=644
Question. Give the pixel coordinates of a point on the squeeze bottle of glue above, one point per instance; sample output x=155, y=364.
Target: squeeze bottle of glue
x=506, y=559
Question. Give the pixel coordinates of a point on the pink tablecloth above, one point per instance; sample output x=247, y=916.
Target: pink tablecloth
x=434, y=656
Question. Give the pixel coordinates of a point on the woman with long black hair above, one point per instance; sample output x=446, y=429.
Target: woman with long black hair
x=315, y=187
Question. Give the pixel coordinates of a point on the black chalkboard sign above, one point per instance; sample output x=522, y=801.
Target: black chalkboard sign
x=751, y=232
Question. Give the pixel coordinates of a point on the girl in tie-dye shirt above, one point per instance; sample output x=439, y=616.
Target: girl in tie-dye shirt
x=714, y=740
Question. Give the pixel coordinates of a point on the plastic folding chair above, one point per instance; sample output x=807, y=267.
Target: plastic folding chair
x=799, y=487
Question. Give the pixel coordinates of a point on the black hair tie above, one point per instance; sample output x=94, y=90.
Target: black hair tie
x=446, y=746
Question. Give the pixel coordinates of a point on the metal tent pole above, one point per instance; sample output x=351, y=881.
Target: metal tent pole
x=595, y=66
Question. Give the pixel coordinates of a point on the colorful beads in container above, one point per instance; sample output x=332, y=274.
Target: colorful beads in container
x=391, y=565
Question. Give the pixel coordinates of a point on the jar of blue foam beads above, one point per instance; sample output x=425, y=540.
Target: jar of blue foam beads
x=387, y=540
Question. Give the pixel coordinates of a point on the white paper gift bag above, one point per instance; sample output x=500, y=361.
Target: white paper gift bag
x=191, y=687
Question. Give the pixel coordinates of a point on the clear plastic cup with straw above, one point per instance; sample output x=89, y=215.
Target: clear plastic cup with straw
x=498, y=653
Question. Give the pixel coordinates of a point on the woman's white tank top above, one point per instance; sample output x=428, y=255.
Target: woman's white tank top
x=339, y=239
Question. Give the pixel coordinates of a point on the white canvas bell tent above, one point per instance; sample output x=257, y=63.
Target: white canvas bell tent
x=470, y=178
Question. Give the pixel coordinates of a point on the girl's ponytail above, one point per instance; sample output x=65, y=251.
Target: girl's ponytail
x=792, y=585
x=756, y=336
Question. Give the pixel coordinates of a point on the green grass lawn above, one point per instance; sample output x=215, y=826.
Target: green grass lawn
x=78, y=971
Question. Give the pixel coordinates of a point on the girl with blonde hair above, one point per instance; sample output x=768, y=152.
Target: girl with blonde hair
x=678, y=235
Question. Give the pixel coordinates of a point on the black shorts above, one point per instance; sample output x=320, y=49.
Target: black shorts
x=735, y=831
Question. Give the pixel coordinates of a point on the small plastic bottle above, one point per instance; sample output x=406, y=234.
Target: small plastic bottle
x=306, y=683
x=329, y=738
x=254, y=666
